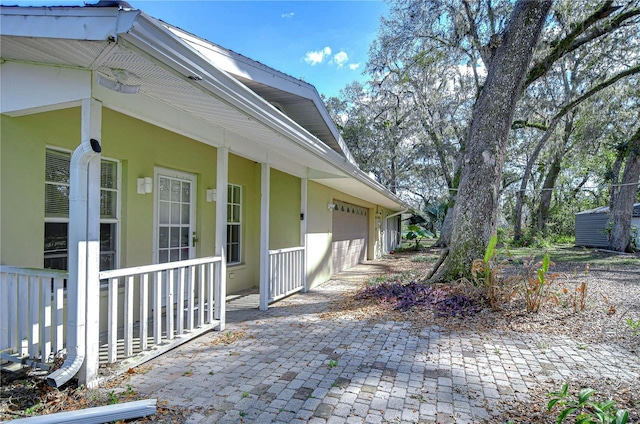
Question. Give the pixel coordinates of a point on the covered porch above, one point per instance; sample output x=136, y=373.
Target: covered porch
x=151, y=310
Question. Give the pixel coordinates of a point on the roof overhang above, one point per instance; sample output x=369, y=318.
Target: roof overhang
x=181, y=89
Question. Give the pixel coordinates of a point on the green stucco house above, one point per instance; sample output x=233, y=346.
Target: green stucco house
x=147, y=173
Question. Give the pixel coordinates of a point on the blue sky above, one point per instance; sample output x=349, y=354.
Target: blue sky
x=323, y=42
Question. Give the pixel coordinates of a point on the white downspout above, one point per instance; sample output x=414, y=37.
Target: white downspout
x=386, y=225
x=81, y=242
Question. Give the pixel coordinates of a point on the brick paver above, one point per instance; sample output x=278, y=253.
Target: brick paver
x=294, y=366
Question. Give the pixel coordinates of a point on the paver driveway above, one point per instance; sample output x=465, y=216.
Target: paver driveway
x=291, y=364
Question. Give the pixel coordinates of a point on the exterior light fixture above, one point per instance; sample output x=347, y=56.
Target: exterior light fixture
x=145, y=185
x=331, y=206
x=212, y=193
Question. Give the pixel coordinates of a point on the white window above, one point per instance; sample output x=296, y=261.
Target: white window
x=56, y=206
x=234, y=223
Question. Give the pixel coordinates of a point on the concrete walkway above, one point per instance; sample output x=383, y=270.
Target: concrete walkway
x=290, y=364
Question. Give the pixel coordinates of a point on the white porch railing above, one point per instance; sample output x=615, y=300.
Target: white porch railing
x=164, y=304
x=31, y=313
x=176, y=299
x=286, y=272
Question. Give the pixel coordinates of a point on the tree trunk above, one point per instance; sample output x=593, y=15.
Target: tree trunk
x=447, y=224
x=622, y=210
x=542, y=216
x=520, y=195
x=476, y=207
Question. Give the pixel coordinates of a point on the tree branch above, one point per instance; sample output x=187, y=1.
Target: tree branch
x=613, y=25
x=631, y=71
x=519, y=124
x=561, y=47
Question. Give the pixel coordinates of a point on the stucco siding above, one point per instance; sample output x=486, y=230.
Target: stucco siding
x=284, y=211
x=246, y=173
x=23, y=142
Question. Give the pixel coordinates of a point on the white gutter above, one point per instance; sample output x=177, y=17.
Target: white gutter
x=79, y=245
x=97, y=415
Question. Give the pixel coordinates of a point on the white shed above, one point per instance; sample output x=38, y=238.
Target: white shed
x=591, y=226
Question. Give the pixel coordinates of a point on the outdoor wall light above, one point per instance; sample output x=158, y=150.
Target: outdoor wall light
x=212, y=193
x=331, y=206
x=145, y=185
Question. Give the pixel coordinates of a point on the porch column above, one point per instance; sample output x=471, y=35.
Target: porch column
x=265, y=181
x=222, y=181
x=303, y=229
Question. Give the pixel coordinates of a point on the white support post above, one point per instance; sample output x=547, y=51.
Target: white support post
x=128, y=315
x=144, y=310
x=264, y=236
x=303, y=230
x=222, y=182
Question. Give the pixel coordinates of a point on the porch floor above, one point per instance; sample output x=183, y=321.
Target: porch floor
x=244, y=300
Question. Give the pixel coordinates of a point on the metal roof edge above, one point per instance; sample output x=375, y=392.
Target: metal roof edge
x=45, y=22
x=605, y=209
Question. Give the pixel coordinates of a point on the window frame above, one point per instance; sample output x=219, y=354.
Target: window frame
x=115, y=220
x=238, y=223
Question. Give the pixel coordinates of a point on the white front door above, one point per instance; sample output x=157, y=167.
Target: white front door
x=174, y=216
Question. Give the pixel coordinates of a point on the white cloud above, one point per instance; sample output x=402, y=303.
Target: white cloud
x=315, y=57
x=354, y=66
x=340, y=59
x=287, y=15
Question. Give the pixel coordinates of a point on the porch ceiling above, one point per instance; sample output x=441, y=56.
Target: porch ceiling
x=174, y=78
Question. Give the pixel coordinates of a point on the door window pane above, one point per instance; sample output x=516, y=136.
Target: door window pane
x=163, y=188
x=175, y=191
x=184, y=238
x=163, y=212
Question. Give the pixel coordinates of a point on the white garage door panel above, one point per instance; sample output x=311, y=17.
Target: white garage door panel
x=350, y=229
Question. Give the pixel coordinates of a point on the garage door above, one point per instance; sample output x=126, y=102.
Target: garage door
x=350, y=236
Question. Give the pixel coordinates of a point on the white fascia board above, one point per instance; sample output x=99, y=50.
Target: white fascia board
x=77, y=23
x=163, y=47
x=237, y=64
x=27, y=88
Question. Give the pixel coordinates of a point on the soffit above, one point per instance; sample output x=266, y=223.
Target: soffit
x=300, y=109
x=161, y=85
